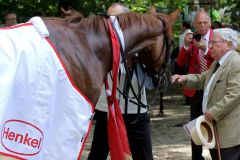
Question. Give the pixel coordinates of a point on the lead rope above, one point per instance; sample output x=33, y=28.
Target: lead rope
x=126, y=99
x=117, y=135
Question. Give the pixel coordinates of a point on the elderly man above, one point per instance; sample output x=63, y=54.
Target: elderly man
x=221, y=84
x=197, y=56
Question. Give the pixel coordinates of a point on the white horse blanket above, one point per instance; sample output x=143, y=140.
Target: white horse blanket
x=42, y=115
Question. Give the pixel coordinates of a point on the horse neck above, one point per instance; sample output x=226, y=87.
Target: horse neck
x=138, y=36
x=86, y=55
x=99, y=65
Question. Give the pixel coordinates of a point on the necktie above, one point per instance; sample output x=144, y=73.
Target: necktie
x=215, y=68
x=203, y=61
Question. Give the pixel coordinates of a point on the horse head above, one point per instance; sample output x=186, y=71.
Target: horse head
x=157, y=55
x=84, y=45
x=154, y=52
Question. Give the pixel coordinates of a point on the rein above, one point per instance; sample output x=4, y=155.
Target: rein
x=128, y=76
x=165, y=45
x=161, y=76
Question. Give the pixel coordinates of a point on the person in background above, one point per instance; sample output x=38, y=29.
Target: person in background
x=67, y=10
x=216, y=24
x=235, y=27
x=152, y=9
x=192, y=14
x=182, y=70
x=10, y=19
x=221, y=84
x=136, y=119
x=185, y=28
x=175, y=69
x=196, y=54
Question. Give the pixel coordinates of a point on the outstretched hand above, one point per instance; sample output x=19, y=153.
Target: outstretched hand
x=179, y=78
x=200, y=45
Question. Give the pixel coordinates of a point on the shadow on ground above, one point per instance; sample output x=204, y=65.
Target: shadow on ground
x=170, y=142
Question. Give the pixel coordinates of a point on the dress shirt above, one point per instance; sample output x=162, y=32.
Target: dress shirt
x=205, y=40
x=206, y=91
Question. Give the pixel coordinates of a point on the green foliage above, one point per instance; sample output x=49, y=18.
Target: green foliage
x=236, y=13
x=29, y=8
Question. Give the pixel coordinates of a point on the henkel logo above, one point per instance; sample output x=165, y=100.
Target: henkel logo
x=21, y=137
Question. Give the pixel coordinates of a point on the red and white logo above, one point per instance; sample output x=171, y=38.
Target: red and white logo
x=20, y=137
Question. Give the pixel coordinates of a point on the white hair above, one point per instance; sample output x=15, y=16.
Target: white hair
x=228, y=34
x=202, y=11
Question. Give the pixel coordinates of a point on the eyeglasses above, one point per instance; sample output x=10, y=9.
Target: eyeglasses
x=213, y=42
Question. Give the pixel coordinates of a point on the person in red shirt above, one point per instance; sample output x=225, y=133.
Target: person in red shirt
x=196, y=54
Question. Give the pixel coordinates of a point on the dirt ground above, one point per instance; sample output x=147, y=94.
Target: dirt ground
x=169, y=140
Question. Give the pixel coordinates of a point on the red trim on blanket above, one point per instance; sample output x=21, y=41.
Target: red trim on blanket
x=16, y=26
x=85, y=140
x=58, y=55
x=65, y=69
x=12, y=156
x=71, y=81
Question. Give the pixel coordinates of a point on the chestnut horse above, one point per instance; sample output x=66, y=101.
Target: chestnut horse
x=85, y=47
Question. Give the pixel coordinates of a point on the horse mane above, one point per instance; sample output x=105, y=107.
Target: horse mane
x=129, y=19
x=156, y=21
x=94, y=22
x=97, y=23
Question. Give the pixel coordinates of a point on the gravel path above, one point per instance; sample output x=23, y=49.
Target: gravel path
x=170, y=141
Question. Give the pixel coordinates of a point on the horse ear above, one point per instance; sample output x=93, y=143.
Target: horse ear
x=174, y=15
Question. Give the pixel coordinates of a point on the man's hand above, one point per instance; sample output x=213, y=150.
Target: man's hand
x=200, y=45
x=208, y=116
x=179, y=78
